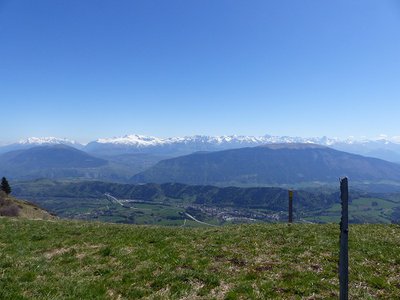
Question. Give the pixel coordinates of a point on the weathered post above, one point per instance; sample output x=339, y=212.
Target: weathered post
x=344, y=237
x=290, y=206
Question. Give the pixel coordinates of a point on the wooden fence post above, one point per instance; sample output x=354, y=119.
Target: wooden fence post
x=290, y=206
x=344, y=236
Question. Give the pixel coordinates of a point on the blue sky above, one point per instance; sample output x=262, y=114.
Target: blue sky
x=90, y=69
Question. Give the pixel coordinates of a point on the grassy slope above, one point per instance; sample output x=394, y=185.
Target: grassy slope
x=24, y=209
x=82, y=260
x=31, y=211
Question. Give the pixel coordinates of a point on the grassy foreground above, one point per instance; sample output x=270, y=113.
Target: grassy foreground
x=82, y=260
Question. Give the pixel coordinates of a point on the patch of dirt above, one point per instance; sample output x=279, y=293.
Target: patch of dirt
x=220, y=291
x=113, y=295
x=238, y=262
x=264, y=267
x=196, y=285
x=89, y=246
x=127, y=250
x=315, y=268
x=56, y=252
x=80, y=255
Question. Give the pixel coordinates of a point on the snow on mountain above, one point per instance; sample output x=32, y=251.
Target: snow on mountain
x=142, y=141
x=383, y=147
x=395, y=139
x=178, y=145
x=35, y=141
x=132, y=140
x=47, y=141
x=150, y=141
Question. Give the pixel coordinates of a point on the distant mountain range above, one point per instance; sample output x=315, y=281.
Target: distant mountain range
x=269, y=165
x=59, y=161
x=383, y=147
x=50, y=161
x=34, y=142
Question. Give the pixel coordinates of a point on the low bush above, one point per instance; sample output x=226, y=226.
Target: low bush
x=7, y=207
x=10, y=210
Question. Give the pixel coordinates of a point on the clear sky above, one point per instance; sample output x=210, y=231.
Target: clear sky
x=85, y=69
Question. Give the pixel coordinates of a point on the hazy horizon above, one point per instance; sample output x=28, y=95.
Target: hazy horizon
x=395, y=139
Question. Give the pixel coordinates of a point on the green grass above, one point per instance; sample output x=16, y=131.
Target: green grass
x=168, y=213
x=361, y=210
x=86, y=260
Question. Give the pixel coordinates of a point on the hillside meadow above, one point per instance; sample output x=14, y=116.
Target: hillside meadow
x=59, y=259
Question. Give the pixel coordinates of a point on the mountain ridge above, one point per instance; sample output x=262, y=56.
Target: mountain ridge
x=269, y=164
x=47, y=161
x=387, y=148
x=148, y=140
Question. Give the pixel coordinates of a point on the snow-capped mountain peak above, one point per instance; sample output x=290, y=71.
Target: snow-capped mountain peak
x=46, y=141
x=132, y=140
x=39, y=141
x=383, y=146
x=151, y=141
x=143, y=141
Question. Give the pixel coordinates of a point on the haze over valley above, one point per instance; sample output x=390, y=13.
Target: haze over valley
x=384, y=147
x=119, y=159
x=218, y=179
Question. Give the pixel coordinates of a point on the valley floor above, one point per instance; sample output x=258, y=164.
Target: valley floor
x=88, y=260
